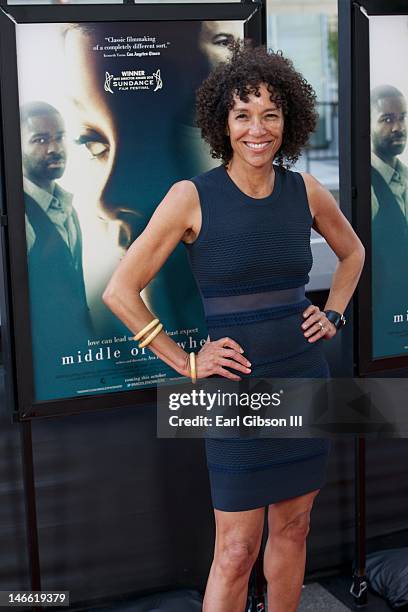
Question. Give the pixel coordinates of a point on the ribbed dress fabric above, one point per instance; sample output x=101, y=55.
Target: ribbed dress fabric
x=259, y=246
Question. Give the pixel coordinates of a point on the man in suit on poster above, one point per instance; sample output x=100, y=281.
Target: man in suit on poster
x=389, y=207
x=60, y=318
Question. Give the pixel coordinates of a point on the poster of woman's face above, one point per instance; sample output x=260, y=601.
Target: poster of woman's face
x=107, y=126
x=389, y=185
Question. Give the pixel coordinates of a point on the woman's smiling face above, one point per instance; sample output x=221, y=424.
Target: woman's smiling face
x=255, y=128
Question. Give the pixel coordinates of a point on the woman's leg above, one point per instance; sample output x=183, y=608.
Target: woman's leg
x=237, y=542
x=285, y=551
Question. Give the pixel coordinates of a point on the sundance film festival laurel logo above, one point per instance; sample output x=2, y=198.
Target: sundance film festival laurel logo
x=133, y=80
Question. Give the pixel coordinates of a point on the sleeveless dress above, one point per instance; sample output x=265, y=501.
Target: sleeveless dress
x=251, y=261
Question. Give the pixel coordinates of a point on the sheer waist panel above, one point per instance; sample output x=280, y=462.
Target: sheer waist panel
x=253, y=301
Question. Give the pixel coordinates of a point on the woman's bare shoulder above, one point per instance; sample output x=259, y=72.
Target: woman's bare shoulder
x=184, y=190
x=182, y=201
x=311, y=182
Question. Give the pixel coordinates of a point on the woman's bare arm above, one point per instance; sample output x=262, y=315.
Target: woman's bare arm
x=178, y=217
x=329, y=222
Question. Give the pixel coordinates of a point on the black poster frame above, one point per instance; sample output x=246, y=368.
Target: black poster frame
x=14, y=293
x=357, y=81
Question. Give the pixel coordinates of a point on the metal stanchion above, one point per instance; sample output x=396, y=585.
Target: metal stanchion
x=257, y=583
x=359, y=585
x=256, y=599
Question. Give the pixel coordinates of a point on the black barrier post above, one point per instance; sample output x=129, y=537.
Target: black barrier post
x=360, y=88
x=256, y=599
x=257, y=582
x=359, y=585
x=353, y=60
x=30, y=507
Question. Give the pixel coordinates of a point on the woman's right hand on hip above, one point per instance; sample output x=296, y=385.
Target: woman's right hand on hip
x=216, y=355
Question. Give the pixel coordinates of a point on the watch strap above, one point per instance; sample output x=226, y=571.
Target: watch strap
x=338, y=319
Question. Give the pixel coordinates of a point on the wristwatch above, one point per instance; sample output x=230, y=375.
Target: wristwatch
x=338, y=320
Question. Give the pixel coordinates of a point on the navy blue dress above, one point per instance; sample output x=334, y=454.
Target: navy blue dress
x=251, y=262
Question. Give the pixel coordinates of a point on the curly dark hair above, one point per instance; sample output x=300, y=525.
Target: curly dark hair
x=242, y=75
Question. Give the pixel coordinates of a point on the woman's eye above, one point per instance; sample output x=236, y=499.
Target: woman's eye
x=96, y=149
x=95, y=144
x=240, y=116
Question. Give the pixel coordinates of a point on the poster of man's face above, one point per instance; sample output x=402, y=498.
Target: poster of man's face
x=389, y=185
x=43, y=144
x=107, y=126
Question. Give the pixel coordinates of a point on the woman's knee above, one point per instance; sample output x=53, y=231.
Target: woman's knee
x=235, y=559
x=237, y=542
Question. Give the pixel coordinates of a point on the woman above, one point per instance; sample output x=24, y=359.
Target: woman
x=247, y=225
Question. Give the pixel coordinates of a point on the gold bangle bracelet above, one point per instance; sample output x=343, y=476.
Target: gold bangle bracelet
x=193, y=369
x=151, y=336
x=147, y=328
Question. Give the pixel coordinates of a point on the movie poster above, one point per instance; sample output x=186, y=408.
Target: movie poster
x=107, y=126
x=389, y=184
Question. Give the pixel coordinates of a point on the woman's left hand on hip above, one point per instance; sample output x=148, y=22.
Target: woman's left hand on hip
x=317, y=325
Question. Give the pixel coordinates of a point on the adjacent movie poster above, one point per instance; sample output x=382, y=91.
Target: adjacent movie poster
x=107, y=125
x=389, y=184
